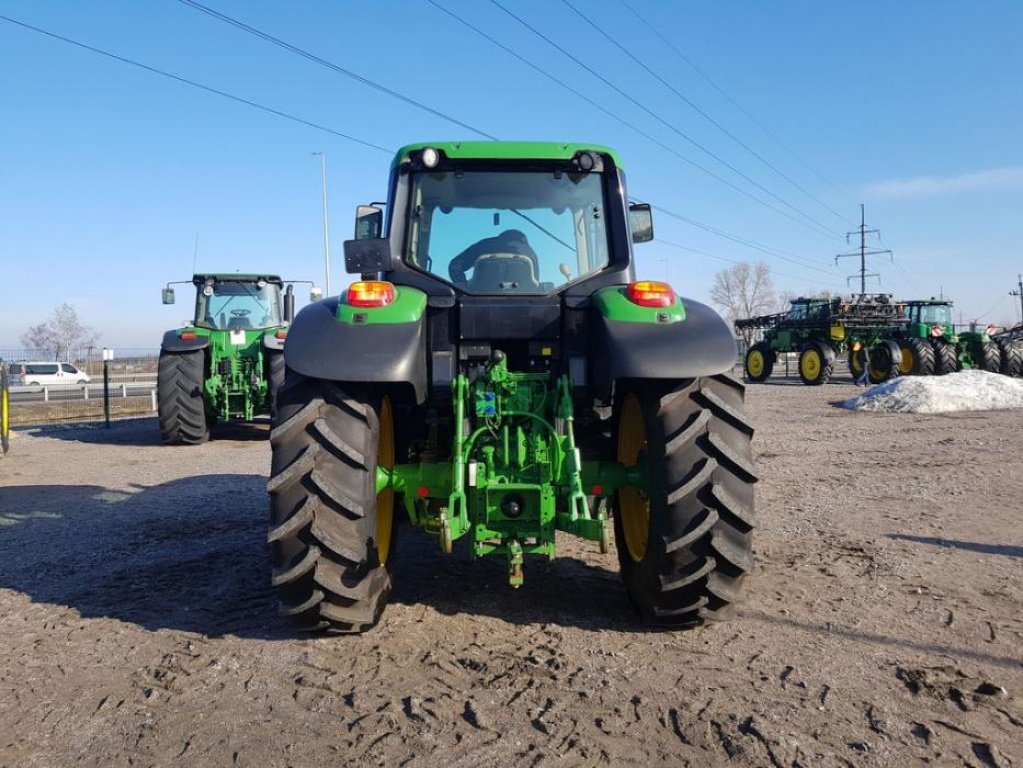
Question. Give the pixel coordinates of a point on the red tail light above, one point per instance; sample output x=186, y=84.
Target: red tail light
x=650, y=293
x=370, y=293
x=187, y=335
x=281, y=335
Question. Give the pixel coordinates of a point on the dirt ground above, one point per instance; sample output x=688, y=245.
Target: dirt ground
x=882, y=627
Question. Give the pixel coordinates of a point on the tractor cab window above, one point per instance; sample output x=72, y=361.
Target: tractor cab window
x=508, y=231
x=238, y=304
x=932, y=314
x=798, y=311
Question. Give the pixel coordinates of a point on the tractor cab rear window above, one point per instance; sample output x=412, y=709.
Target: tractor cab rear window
x=932, y=314
x=237, y=304
x=508, y=231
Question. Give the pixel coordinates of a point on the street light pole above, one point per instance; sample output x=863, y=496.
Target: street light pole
x=326, y=225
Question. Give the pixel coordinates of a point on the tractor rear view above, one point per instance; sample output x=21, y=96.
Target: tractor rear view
x=930, y=345
x=498, y=374
x=228, y=362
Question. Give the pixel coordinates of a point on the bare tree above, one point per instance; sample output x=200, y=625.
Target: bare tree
x=745, y=290
x=60, y=335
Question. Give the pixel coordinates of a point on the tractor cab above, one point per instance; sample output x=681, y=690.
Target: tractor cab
x=929, y=318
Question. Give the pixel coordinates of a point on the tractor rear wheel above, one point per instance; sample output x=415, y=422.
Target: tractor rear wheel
x=885, y=358
x=759, y=362
x=987, y=357
x=945, y=358
x=816, y=362
x=180, y=404
x=331, y=533
x=1012, y=357
x=274, y=379
x=923, y=356
x=685, y=540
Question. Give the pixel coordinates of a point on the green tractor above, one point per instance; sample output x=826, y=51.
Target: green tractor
x=929, y=344
x=228, y=362
x=498, y=375
x=822, y=328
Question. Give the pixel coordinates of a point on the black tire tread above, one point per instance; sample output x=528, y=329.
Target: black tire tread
x=700, y=544
x=1012, y=357
x=923, y=357
x=945, y=358
x=323, y=508
x=181, y=409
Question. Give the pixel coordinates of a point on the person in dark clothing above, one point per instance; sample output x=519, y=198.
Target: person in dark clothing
x=863, y=361
x=509, y=241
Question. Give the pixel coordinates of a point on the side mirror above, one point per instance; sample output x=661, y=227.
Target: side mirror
x=315, y=293
x=168, y=295
x=369, y=222
x=641, y=222
x=366, y=256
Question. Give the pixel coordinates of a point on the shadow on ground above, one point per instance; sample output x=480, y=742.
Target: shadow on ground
x=191, y=555
x=144, y=431
x=1007, y=550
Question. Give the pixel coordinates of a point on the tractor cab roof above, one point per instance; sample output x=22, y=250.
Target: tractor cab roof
x=928, y=303
x=505, y=150
x=235, y=277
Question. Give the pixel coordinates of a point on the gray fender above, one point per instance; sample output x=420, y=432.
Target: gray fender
x=700, y=345
x=270, y=341
x=321, y=347
x=173, y=343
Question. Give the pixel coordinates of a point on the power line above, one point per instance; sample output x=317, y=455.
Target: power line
x=741, y=240
x=813, y=222
x=720, y=90
x=863, y=253
x=681, y=96
x=697, y=251
x=195, y=84
x=330, y=65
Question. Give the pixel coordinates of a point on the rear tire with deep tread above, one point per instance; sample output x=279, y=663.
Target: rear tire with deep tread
x=1012, y=357
x=179, y=394
x=825, y=366
x=988, y=357
x=323, y=501
x=923, y=357
x=884, y=361
x=765, y=361
x=699, y=501
x=275, y=367
x=945, y=358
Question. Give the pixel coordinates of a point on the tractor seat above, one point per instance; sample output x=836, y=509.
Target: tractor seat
x=503, y=273
x=238, y=322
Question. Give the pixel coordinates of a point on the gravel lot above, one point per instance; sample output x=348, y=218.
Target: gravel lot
x=883, y=626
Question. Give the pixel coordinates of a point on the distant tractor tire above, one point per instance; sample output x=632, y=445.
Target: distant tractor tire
x=987, y=357
x=685, y=541
x=885, y=358
x=274, y=379
x=180, y=405
x=945, y=358
x=1012, y=357
x=759, y=362
x=816, y=363
x=922, y=355
x=331, y=533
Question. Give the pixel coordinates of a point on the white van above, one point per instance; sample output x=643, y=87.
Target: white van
x=48, y=374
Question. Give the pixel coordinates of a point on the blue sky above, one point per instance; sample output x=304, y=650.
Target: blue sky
x=109, y=173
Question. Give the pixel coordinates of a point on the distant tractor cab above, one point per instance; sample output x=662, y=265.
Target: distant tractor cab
x=228, y=362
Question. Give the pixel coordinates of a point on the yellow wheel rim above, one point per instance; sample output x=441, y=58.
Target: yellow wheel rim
x=385, y=499
x=633, y=506
x=810, y=364
x=906, y=362
x=755, y=363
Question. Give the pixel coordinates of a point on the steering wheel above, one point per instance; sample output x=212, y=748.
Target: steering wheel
x=241, y=312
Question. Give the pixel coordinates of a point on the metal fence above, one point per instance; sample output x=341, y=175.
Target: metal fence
x=82, y=388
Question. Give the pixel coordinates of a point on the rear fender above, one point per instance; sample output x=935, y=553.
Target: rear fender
x=681, y=342
x=385, y=345
x=172, y=342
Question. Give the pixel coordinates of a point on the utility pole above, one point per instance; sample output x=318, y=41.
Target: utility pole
x=1019, y=293
x=863, y=253
x=326, y=225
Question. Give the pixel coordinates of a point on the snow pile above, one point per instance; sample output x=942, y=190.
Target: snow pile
x=963, y=391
